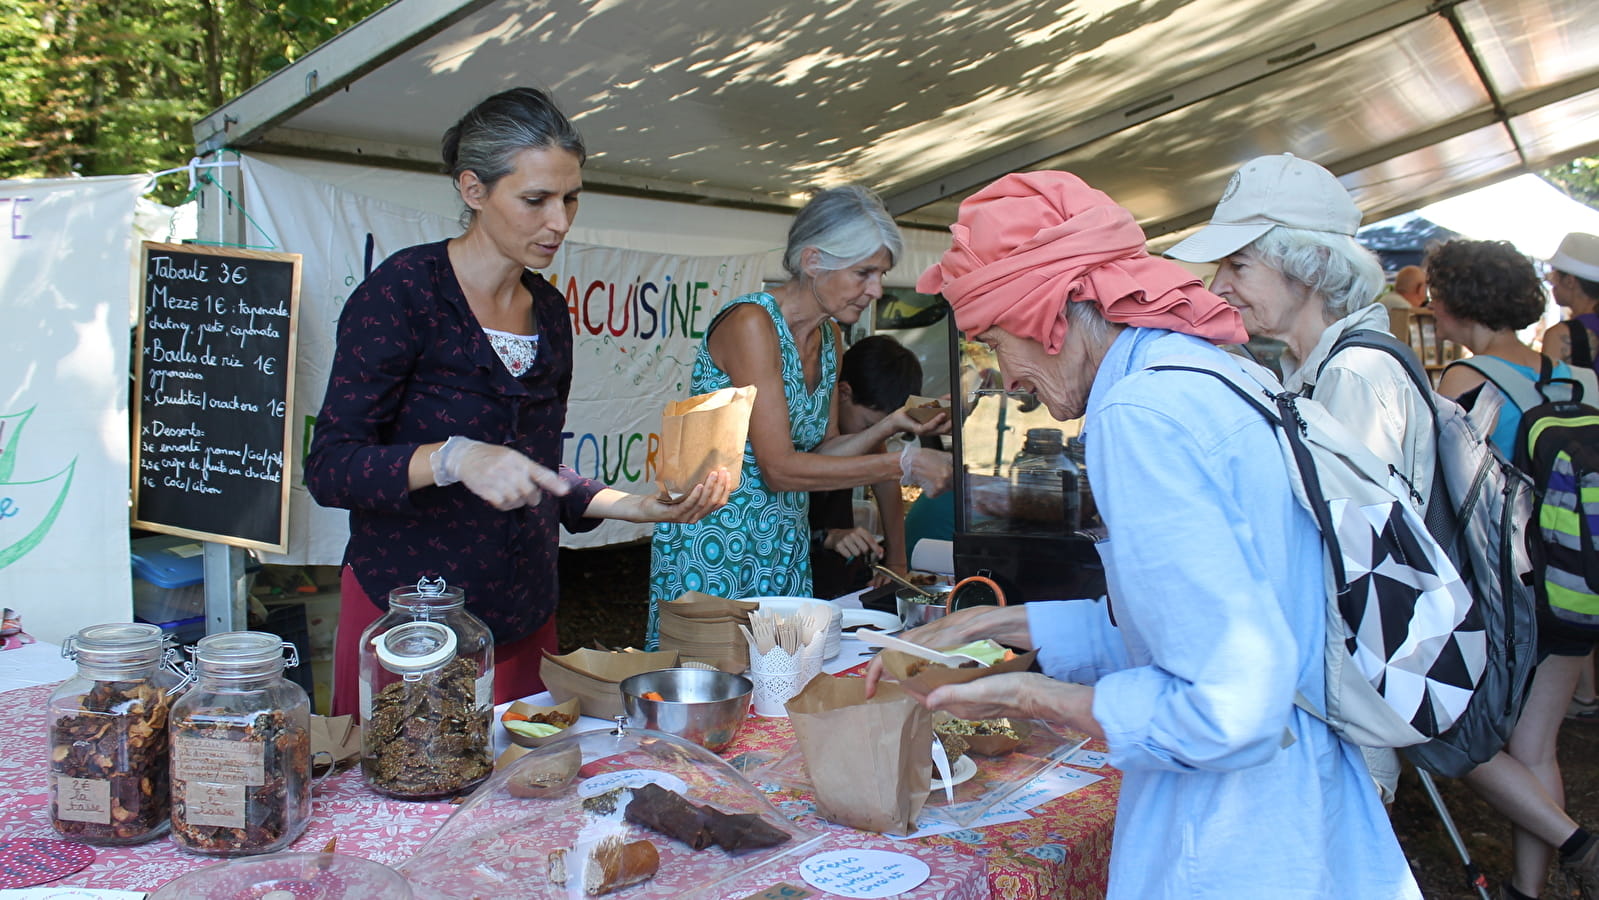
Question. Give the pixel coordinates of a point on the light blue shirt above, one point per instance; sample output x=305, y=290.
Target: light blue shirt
x=1215, y=576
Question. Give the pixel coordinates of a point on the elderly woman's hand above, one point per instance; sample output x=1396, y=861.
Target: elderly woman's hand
x=707, y=497
x=1005, y=624
x=1019, y=695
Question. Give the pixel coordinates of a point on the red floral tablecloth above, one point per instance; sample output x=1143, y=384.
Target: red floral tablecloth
x=1062, y=852
x=390, y=831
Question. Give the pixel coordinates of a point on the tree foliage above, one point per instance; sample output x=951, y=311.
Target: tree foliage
x=1578, y=178
x=104, y=87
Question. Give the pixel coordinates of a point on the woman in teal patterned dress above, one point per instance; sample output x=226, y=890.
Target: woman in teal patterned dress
x=787, y=345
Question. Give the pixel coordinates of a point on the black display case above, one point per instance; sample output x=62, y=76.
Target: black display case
x=1024, y=514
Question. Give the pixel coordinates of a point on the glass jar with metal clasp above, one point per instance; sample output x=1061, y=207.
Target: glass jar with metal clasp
x=427, y=695
x=108, y=736
x=241, y=749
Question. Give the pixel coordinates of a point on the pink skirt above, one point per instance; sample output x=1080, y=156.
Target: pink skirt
x=516, y=665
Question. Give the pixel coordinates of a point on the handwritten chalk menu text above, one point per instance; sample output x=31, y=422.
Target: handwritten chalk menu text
x=216, y=379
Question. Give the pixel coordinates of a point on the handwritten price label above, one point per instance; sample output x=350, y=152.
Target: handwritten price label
x=864, y=873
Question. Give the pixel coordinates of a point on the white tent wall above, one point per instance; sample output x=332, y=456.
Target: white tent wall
x=67, y=257
x=612, y=220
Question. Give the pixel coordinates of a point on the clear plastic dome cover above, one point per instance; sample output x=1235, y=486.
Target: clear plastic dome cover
x=289, y=876
x=568, y=819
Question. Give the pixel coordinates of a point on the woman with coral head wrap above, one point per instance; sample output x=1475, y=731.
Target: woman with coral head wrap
x=1214, y=569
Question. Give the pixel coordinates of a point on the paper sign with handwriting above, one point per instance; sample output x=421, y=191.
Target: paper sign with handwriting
x=864, y=873
x=630, y=778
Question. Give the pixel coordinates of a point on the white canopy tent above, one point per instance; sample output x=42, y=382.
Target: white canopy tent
x=1526, y=211
x=749, y=102
x=708, y=120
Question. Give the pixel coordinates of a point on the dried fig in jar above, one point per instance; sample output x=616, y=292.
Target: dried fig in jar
x=108, y=763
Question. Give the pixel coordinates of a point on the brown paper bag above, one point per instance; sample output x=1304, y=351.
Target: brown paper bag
x=870, y=761
x=700, y=434
x=335, y=740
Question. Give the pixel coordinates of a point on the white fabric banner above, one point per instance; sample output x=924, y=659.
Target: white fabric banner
x=66, y=266
x=637, y=318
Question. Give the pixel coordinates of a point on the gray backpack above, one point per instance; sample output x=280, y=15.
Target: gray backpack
x=1479, y=511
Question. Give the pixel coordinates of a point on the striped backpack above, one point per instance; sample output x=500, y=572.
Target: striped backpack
x=1557, y=444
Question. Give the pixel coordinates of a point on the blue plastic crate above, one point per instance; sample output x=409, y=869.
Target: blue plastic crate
x=169, y=578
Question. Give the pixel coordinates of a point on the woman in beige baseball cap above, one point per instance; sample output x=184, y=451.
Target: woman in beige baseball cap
x=1283, y=240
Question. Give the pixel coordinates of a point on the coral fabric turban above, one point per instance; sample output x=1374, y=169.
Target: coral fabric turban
x=1032, y=241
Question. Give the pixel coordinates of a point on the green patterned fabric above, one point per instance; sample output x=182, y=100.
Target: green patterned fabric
x=758, y=545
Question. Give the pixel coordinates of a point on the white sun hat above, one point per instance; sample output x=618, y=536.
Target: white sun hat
x=1578, y=255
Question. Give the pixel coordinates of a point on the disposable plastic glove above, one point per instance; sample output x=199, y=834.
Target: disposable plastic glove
x=930, y=470
x=504, y=478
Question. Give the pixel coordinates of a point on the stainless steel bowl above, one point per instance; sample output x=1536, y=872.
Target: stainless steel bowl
x=916, y=609
x=706, y=707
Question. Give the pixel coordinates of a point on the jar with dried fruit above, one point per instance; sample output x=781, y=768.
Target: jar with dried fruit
x=108, y=737
x=427, y=695
x=241, y=749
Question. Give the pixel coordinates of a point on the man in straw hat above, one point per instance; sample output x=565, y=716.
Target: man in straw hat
x=1215, y=573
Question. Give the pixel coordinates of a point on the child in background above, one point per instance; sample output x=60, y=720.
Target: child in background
x=876, y=376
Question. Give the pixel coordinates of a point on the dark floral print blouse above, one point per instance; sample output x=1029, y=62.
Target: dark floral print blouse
x=413, y=366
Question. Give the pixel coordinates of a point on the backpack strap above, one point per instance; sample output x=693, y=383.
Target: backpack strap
x=1278, y=409
x=1577, y=327
x=1440, y=519
x=1521, y=390
x=1373, y=339
x=1583, y=384
x=1588, y=381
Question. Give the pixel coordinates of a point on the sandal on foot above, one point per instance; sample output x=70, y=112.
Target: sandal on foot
x=1584, y=710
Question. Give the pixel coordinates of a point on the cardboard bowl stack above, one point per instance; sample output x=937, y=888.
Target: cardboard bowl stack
x=593, y=676
x=704, y=628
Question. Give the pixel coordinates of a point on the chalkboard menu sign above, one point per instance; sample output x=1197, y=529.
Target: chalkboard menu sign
x=215, y=369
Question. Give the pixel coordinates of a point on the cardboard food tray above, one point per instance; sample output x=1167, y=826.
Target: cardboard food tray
x=924, y=409
x=594, y=676
x=571, y=710
x=934, y=675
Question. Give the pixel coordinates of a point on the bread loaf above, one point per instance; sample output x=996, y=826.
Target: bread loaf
x=615, y=864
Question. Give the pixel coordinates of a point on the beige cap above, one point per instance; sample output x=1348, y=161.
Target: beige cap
x=1270, y=191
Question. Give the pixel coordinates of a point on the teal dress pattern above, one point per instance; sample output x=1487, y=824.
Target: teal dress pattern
x=758, y=545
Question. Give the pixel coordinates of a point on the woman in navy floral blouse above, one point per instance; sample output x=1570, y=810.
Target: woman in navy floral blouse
x=441, y=428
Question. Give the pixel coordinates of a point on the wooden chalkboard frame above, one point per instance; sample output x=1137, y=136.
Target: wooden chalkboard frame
x=221, y=257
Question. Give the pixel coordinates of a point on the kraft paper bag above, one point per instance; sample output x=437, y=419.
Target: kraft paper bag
x=700, y=434
x=870, y=761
